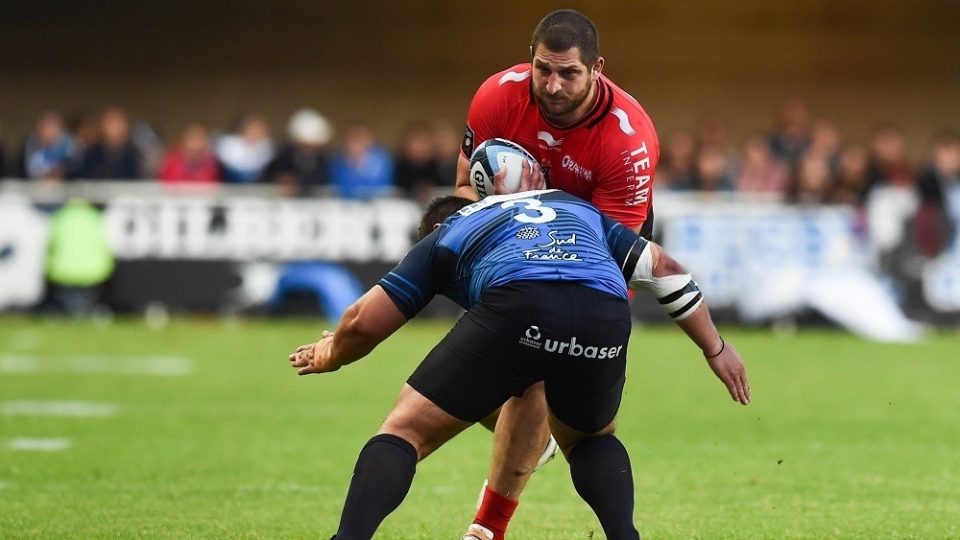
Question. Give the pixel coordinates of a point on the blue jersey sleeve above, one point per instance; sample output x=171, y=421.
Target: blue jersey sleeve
x=415, y=280
x=625, y=246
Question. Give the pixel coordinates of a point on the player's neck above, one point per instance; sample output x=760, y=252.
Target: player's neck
x=577, y=114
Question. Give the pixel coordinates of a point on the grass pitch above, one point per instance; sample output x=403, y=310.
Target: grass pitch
x=220, y=439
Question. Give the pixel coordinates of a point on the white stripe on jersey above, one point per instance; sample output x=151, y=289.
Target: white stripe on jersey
x=487, y=202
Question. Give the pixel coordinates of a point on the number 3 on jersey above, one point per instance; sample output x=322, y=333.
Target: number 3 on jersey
x=543, y=214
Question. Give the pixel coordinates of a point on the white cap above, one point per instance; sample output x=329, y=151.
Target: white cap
x=307, y=126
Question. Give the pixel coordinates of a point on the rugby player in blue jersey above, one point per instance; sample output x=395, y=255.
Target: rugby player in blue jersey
x=543, y=276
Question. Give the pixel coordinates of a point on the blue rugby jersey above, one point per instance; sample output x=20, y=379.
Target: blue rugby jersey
x=545, y=235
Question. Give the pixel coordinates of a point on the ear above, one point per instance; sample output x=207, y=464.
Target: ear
x=597, y=68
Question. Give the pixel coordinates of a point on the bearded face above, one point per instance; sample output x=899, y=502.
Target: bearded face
x=562, y=83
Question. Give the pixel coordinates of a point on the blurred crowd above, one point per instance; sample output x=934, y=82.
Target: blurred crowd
x=805, y=161
x=799, y=159
x=111, y=146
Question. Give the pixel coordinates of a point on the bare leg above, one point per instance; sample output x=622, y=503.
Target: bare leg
x=519, y=442
x=519, y=439
x=420, y=422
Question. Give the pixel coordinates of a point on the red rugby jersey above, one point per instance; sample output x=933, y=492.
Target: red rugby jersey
x=608, y=157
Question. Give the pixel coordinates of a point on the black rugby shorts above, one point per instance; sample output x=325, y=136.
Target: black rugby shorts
x=570, y=336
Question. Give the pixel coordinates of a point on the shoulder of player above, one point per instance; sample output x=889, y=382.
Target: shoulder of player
x=511, y=80
x=626, y=126
x=502, y=94
x=626, y=114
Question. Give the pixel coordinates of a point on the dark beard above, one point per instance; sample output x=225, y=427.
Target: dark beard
x=569, y=105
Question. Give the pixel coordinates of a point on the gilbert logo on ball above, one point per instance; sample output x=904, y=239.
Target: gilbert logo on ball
x=492, y=155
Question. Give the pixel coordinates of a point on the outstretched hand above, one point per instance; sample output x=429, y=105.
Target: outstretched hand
x=728, y=367
x=314, y=357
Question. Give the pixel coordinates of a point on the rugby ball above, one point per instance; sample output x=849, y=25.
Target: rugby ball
x=492, y=155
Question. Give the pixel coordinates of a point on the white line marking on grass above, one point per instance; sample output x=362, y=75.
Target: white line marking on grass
x=39, y=445
x=57, y=408
x=161, y=366
x=290, y=487
x=10, y=363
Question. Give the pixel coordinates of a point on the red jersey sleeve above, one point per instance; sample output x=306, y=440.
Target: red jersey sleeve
x=494, y=105
x=624, y=188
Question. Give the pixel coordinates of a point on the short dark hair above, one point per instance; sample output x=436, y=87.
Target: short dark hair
x=566, y=28
x=438, y=210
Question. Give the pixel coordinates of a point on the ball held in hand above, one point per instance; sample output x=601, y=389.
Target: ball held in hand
x=492, y=155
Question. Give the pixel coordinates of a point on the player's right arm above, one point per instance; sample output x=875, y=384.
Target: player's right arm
x=488, y=115
x=380, y=312
x=463, y=187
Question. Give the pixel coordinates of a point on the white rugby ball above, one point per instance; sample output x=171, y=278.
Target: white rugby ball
x=492, y=155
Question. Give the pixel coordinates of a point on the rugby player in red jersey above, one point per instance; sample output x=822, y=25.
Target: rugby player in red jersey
x=591, y=139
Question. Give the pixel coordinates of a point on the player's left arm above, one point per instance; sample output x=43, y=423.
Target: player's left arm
x=363, y=326
x=646, y=266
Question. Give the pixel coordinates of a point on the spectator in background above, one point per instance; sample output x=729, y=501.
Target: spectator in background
x=79, y=258
x=363, y=170
x=416, y=170
x=791, y=137
x=448, y=142
x=303, y=162
x=677, y=165
x=245, y=154
x=812, y=182
x=150, y=146
x=712, y=132
x=852, y=180
x=934, y=227
x=85, y=130
x=191, y=160
x=113, y=156
x=713, y=170
x=825, y=142
x=760, y=171
x=49, y=151
x=888, y=159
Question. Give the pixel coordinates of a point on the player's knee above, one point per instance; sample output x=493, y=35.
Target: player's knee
x=569, y=439
x=406, y=434
x=609, y=429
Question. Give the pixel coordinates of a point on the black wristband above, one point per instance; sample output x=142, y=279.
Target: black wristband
x=723, y=345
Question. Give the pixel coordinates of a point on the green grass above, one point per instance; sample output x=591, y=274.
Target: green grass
x=845, y=439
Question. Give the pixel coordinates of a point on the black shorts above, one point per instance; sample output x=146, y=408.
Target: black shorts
x=570, y=336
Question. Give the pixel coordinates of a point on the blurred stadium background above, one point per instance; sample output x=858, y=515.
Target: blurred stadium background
x=169, y=172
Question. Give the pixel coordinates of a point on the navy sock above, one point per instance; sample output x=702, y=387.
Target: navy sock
x=600, y=469
x=381, y=480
